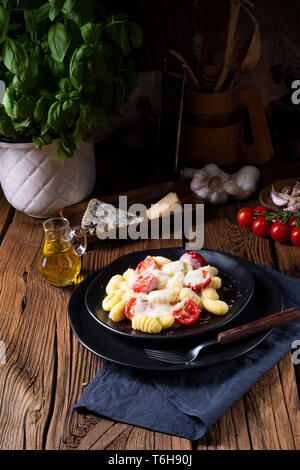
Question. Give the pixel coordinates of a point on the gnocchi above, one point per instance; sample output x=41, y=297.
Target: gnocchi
x=179, y=287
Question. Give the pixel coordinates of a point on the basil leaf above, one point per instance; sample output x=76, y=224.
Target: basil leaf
x=58, y=69
x=53, y=13
x=24, y=106
x=86, y=67
x=55, y=119
x=65, y=85
x=4, y=20
x=19, y=126
x=91, y=32
x=56, y=4
x=41, y=109
x=9, y=101
x=33, y=17
x=135, y=34
x=15, y=57
x=62, y=154
x=42, y=12
x=78, y=11
x=58, y=41
x=69, y=111
x=124, y=39
x=6, y=127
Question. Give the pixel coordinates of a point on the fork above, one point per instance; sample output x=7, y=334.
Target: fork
x=243, y=331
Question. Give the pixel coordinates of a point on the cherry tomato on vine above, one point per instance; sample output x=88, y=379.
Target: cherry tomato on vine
x=295, y=236
x=293, y=221
x=280, y=232
x=260, y=227
x=261, y=209
x=245, y=217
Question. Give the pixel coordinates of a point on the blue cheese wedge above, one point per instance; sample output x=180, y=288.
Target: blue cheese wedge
x=105, y=217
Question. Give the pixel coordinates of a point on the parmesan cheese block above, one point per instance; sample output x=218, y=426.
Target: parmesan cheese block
x=163, y=206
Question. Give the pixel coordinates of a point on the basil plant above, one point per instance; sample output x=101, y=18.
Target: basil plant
x=65, y=64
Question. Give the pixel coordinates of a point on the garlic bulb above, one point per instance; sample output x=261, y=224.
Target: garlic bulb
x=214, y=185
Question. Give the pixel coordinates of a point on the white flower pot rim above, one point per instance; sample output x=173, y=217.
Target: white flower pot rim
x=36, y=182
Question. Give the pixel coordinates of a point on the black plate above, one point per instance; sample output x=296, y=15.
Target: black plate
x=102, y=342
x=237, y=289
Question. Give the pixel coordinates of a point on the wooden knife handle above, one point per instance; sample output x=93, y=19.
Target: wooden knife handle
x=256, y=326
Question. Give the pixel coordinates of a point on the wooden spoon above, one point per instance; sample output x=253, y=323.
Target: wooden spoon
x=250, y=59
x=235, y=7
x=209, y=17
x=192, y=79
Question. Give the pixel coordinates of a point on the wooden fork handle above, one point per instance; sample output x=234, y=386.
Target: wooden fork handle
x=257, y=326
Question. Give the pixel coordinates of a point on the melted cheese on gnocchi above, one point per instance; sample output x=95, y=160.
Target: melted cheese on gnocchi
x=158, y=285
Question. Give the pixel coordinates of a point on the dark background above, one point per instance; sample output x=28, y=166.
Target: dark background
x=168, y=24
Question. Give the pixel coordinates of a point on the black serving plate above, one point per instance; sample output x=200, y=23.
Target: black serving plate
x=237, y=289
x=121, y=350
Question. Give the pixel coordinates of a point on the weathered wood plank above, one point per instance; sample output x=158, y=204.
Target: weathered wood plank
x=6, y=214
x=46, y=366
x=249, y=424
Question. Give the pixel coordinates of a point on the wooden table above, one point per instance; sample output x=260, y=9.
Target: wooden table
x=47, y=369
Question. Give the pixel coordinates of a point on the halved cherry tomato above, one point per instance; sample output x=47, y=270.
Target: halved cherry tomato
x=196, y=260
x=147, y=265
x=293, y=221
x=260, y=227
x=295, y=236
x=261, y=209
x=186, y=313
x=280, y=232
x=198, y=282
x=145, y=282
x=245, y=217
x=129, y=310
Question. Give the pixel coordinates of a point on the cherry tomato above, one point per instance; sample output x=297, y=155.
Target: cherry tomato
x=245, y=217
x=129, y=310
x=145, y=282
x=261, y=209
x=147, y=265
x=293, y=221
x=295, y=236
x=196, y=260
x=275, y=220
x=280, y=232
x=260, y=227
x=186, y=312
x=202, y=279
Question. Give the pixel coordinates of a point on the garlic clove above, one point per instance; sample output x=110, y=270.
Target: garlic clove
x=296, y=190
x=218, y=198
x=232, y=188
x=247, y=178
x=204, y=192
x=198, y=181
x=279, y=199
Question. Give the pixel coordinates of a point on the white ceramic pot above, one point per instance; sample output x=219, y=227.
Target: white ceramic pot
x=38, y=183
